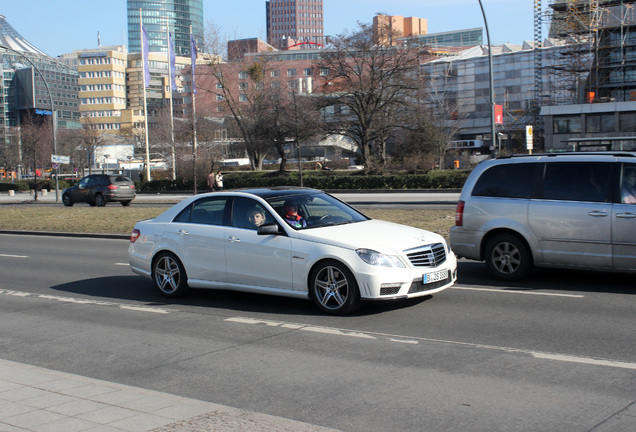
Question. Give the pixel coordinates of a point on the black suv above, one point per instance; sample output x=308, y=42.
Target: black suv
x=98, y=189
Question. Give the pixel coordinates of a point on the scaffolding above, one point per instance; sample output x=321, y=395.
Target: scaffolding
x=597, y=62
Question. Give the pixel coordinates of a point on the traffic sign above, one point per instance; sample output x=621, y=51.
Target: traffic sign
x=60, y=159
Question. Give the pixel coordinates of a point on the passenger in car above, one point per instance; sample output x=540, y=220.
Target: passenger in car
x=628, y=191
x=257, y=217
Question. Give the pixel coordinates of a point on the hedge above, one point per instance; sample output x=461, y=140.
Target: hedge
x=325, y=180
x=25, y=185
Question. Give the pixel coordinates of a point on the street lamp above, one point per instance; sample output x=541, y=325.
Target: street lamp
x=53, y=120
x=490, y=73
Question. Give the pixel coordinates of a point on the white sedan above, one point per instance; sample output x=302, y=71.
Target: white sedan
x=293, y=242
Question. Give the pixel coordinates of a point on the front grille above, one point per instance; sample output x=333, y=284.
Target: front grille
x=427, y=256
x=418, y=286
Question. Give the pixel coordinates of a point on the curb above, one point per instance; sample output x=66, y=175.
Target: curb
x=67, y=234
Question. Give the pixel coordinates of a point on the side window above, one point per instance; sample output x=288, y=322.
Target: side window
x=628, y=184
x=577, y=181
x=206, y=211
x=248, y=213
x=506, y=181
x=83, y=182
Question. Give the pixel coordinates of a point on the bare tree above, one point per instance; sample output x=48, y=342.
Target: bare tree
x=371, y=81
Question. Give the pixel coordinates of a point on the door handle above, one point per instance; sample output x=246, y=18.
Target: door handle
x=234, y=239
x=182, y=232
x=596, y=213
x=626, y=215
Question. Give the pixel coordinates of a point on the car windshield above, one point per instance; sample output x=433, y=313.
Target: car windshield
x=313, y=210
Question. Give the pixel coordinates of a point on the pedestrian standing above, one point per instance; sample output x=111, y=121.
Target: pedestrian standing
x=218, y=181
x=211, y=181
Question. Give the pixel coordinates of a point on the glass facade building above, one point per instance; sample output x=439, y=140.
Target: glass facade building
x=159, y=16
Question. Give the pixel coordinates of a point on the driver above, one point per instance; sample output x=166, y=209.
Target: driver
x=291, y=215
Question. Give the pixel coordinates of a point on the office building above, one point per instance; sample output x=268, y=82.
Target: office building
x=159, y=16
x=23, y=91
x=294, y=23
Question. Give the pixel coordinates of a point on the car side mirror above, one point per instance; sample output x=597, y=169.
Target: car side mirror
x=268, y=229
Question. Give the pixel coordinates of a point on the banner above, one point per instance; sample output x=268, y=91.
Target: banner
x=499, y=114
x=173, y=79
x=144, y=49
x=193, y=55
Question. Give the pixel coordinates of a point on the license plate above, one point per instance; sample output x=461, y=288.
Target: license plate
x=435, y=277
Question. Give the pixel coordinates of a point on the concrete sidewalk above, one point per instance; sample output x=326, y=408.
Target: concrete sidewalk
x=43, y=400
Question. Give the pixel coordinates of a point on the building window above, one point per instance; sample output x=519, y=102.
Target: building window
x=324, y=71
x=564, y=125
x=291, y=72
x=307, y=72
x=242, y=97
x=242, y=75
x=219, y=97
x=600, y=123
x=219, y=86
x=627, y=122
x=242, y=86
x=275, y=73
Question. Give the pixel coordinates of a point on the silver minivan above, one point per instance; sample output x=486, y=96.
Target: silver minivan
x=568, y=210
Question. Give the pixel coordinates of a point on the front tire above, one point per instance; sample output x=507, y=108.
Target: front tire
x=169, y=276
x=67, y=200
x=508, y=257
x=334, y=289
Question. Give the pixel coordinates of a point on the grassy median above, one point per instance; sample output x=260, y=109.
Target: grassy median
x=116, y=219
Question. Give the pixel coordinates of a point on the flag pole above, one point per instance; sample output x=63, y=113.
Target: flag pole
x=171, y=74
x=144, y=55
x=193, y=55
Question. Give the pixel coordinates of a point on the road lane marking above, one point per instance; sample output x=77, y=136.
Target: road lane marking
x=124, y=306
x=507, y=291
x=13, y=256
x=122, y=264
x=416, y=340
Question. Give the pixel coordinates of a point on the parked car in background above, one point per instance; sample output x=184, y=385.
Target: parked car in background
x=99, y=189
x=328, y=251
x=567, y=210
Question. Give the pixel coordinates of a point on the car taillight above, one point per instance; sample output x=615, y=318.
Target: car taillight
x=112, y=187
x=459, y=214
x=132, y=186
x=135, y=235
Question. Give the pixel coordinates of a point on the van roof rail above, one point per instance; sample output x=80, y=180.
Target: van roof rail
x=587, y=153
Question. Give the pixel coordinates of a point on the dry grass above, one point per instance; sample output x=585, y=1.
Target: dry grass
x=121, y=220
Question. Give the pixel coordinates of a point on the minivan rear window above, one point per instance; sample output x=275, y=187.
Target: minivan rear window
x=506, y=181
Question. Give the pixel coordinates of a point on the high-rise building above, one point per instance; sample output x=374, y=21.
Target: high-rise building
x=159, y=16
x=294, y=23
x=23, y=89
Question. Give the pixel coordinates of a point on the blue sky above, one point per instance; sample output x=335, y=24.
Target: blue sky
x=60, y=26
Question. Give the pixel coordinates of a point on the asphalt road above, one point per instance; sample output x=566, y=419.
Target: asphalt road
x=555, y=352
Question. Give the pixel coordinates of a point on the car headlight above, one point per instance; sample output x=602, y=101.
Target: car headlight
x=374, y=258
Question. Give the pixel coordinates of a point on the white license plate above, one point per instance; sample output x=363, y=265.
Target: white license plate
x=435, y=277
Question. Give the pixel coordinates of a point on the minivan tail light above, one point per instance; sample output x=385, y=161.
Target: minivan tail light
x=459, y=213
x=135, y=235
x=112, y=187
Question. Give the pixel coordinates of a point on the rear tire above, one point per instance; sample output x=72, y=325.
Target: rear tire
x=169, y=275
x=100, y=201
x=508, y=258
x=67, y=200
x=334, y=289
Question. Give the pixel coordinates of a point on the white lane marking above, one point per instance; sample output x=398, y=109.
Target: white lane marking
x=122, y=264
x=88, y=302
x=415, y=340
x=518, y=292
x=13, y=256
